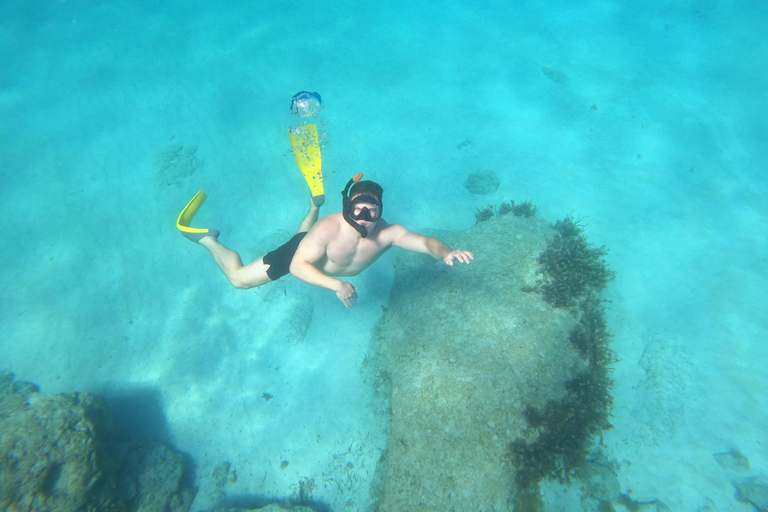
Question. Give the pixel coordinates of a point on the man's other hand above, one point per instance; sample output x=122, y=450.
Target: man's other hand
x=462, y=256
x=347, y=294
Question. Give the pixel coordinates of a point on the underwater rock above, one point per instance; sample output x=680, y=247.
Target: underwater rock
x=221, y=474
x=61, y=452
x=175, y=163
x=733, y=460
x=158, y=474
x=755, y=492
x=553, y=74
x=465, y=355
x=482, y=183
x=274, y=507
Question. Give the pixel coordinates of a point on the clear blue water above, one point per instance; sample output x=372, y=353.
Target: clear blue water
x=648, y=121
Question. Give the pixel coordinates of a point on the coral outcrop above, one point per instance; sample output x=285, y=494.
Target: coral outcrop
x=61, y=452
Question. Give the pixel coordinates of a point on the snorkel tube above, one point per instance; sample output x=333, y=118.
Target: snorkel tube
x=347, y=206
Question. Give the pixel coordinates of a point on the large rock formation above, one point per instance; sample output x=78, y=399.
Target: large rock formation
x=489, y=388
x=61, y=453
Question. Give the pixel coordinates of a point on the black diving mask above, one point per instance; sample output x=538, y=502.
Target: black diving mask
x=366, y=214
x=369, y=214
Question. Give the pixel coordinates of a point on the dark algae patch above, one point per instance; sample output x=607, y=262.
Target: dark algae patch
x=572, y=268
x=574, y=276
x=484, y=214
x=524, y=209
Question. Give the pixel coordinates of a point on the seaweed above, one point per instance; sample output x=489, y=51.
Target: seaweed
x=572, y=267
x=566, y=427
x=525, y=209
x=484, y=214
x=591, y=336
x=568, y=228
x=575, y=274
x=505, y=208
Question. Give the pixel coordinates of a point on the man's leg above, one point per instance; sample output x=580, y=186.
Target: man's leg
x=255, y=273
x=310, y=219
x=241, y=276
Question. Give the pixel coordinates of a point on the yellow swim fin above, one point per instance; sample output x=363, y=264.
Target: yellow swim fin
x=306, y=150
x=186, y=216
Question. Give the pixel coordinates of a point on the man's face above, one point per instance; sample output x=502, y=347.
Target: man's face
x=366, y=214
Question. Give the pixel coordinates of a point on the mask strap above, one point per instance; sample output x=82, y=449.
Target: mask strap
x=347, y=204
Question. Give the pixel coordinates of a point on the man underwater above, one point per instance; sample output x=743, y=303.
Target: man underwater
x=341, y=244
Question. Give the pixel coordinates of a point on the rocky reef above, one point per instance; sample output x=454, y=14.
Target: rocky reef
x=496, y=371
x=62, y=452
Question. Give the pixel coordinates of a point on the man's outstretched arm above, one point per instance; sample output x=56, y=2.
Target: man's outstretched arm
x=415, y=242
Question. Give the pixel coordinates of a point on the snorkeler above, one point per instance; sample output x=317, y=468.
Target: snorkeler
x=341, y=244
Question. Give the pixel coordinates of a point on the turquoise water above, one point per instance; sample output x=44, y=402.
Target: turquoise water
x=649, y=122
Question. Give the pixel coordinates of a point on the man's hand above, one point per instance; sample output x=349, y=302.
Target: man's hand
x=346, y=294
x=462, y=256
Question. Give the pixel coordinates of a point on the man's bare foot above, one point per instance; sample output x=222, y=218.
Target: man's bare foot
x=199, y=237
x=209, y=238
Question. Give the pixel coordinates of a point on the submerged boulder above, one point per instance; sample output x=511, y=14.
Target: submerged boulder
x=482, y=183
x=61, y=452
x=483, y=374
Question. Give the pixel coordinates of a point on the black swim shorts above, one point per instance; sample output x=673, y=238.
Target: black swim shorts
x=279, y=260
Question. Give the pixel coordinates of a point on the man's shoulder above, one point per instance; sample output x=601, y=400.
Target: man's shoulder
x=335, y=217
x=392, y=228
x=327, y=225
x=388, y=233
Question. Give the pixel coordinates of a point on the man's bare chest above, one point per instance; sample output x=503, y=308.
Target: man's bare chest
x=345, y=252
